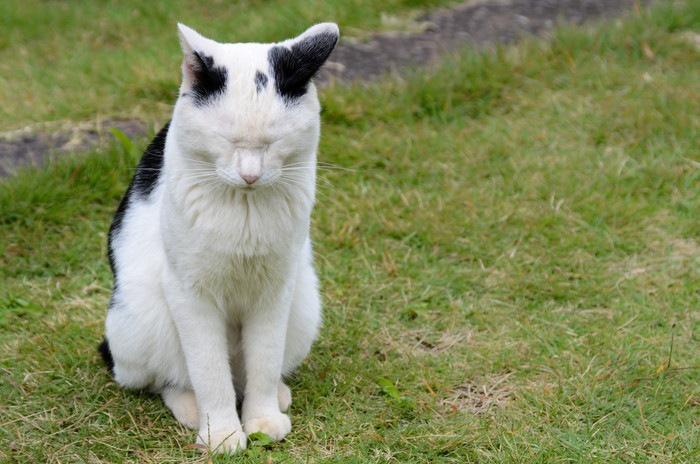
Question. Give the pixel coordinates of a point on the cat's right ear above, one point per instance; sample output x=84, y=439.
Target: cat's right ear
x=199, y=72
x=189, y=39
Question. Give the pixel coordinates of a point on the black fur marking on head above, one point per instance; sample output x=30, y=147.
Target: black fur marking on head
x=141, y=186
x=209, y=79
x=293, y=68
x=106, y=355
x=260, y=81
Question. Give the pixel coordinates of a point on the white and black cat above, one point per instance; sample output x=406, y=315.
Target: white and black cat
x=214, y=286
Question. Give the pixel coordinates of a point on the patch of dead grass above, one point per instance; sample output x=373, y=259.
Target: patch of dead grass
x=424, y=340
x=481, y=396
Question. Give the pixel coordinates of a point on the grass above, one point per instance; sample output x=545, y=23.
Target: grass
x=508, y=248
x=60, y=63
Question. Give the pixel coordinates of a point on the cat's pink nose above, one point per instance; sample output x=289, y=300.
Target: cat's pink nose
x=250, y=179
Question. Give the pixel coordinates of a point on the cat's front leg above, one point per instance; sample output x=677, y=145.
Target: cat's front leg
x=263, y=333
x=202, y=331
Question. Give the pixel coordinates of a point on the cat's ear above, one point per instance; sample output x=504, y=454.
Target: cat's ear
x=190, y=41
x=295, y=61
x=199, y=72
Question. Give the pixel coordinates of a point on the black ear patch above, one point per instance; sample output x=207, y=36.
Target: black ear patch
x=209, y=79
x=292, y=68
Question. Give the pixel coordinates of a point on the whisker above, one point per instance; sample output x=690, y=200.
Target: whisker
x=297, y=169
x=302, y=163
x=295, y=184
x=299, y=178
x=201, y=178
x=205, y=163
x=321, y=165
x=198, y=171
x=334, y=167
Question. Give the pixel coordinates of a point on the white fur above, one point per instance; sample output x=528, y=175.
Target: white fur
x=216, y=285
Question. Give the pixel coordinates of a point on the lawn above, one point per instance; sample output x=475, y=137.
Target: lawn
x=62, y=62
x=508, y=245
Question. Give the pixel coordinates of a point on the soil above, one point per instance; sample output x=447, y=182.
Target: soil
x=480, y=23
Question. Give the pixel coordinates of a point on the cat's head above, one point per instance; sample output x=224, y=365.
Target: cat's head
x=248, y=111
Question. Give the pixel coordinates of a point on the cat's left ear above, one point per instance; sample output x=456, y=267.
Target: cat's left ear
x=295, y=61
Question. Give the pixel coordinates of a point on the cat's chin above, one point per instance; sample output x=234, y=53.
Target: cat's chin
x=261, y=184
x=248, y=189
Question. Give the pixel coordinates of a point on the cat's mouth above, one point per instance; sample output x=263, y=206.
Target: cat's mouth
x=246, y=183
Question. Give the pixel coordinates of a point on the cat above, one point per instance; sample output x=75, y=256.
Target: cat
x=215, y=293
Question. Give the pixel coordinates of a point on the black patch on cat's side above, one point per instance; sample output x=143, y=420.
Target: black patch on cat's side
x=209, y=80
x=293, y=68
x=149, y=168
x=260, y=81
x=141, y=186
x=106, y=355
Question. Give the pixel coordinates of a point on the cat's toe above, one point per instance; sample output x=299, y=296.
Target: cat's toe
x=223, y=441
x=183, y=405
x=284, y=396
x=276, y=426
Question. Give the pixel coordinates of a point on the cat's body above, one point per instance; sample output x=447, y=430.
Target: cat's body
x=214, y=282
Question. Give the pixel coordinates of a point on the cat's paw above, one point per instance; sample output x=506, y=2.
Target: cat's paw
x=183, y=405
x=223, y=441
x=275, y=425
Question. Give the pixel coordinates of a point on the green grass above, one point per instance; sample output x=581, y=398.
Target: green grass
x=61, y=62
x=509, y=254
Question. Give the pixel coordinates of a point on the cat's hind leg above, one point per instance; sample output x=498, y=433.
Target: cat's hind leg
x=304, y=318
x=144, y=345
